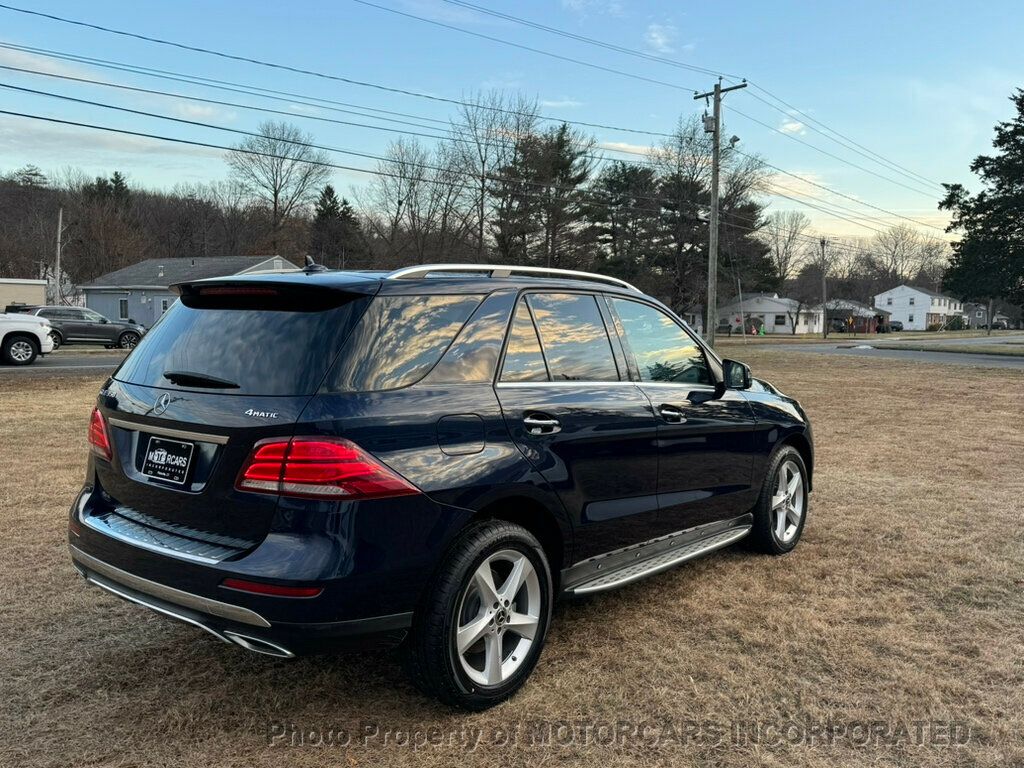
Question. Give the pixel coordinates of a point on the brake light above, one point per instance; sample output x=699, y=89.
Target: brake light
x=319, y=468
x=260, y=588
x=232, y=290
x=99, y=438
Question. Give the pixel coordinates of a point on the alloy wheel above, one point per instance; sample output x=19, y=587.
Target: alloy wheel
x=129, y=340
x=20, y=351
x=498, y=618
x=787, y=502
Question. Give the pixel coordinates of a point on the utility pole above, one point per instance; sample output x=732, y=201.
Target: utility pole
x=59, y=296
x=824, y=291
x=716, y=151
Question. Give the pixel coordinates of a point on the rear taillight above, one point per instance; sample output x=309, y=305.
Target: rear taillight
x=319, y=468
x=99, y=438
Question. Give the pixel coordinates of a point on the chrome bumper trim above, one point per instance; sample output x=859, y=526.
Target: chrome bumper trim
x=168, y=594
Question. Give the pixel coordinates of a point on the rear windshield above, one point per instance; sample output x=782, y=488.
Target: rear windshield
x=246, y=349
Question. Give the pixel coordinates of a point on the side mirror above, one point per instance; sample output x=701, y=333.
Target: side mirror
x=736, y=374
x=104, y=320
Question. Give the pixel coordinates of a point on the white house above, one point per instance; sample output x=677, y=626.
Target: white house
x=918, y=308
x=769, y=311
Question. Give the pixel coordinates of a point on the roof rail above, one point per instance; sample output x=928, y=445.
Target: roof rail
x=506, y=270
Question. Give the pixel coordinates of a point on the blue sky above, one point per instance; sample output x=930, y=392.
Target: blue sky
x=921, y=83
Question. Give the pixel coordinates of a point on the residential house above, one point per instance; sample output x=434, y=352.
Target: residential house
x=976, y=315
x=918, y=308
x=141, y=292
x=856, y=317
x=773, y=313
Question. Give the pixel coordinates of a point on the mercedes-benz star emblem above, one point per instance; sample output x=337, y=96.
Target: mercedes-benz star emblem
x=161, y=404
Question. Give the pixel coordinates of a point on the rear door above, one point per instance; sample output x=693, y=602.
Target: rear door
x=705, y=434
x=217, y=374
x=574, y=414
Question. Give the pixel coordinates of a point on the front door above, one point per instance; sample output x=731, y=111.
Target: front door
x=583, y=426
x=705, y=433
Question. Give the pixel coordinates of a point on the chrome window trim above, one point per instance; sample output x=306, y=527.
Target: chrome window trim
x=184, y=434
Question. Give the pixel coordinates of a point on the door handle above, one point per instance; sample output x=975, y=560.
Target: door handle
x=671, y=414
x=541, y=424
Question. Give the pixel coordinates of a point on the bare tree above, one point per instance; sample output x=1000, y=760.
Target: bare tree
x=784, y=233
x=281, y=168
x=896, y=252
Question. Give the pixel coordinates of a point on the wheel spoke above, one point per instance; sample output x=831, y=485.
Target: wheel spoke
x=794, y=514
x=523, y=624
x=492, y=663
x=780, y=524
x=779, y=501
x=484, y=580
x=472, y=632
x=521, y=569
x=794, y=485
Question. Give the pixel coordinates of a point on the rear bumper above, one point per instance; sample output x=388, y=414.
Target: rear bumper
x=236, y=624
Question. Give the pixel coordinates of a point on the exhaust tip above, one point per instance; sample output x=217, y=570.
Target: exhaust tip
x=257, y=645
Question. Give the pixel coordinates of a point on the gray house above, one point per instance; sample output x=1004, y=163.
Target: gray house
x=142, y=291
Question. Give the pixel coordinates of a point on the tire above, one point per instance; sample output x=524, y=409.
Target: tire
x=128, y=340
x=769, y=535
x=19, y=349
x=57, y=340
x=503, y=632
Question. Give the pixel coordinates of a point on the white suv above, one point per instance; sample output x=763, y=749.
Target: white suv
x=24, y=337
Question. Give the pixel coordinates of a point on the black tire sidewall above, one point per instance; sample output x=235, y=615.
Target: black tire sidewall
x=533, y=551
x=764, y=531
x=6, y=352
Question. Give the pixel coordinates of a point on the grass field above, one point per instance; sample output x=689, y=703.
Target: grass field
x=1006, y=350
x=904, y=603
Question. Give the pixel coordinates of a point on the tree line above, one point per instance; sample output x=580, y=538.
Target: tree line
x=501, y=186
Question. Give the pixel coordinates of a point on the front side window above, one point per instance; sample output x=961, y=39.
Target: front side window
x=663, y=350
x=523, y=359
x=573, y=336
x=93, y=317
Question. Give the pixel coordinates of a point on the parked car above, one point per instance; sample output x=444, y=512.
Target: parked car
x=23, y=338
x=895, y=326
x=80, y=325
x=429, y=456
x=998, y=325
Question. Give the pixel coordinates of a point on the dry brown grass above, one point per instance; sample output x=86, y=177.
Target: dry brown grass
x=903, y=603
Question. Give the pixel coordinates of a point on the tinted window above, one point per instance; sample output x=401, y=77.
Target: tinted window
x=663, y=350
x=398, y=340
x=474, y=354
x=264, y=351
x=574, y=338
x=523, y=358
x=92, y=317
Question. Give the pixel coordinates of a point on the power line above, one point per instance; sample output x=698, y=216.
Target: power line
x=511, y=44
x=235, y=105
x=857, y=148
x=312, y=73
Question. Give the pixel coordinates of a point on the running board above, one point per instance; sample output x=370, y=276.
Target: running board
x=640, y=569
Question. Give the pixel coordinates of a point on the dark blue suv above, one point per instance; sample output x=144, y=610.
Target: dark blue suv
x=427, y=457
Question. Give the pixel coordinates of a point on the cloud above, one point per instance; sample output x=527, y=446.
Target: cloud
x=194, y=111
x=587, y=7
x=622, y=146
x=562, y=103
x=26, y=60
x=660, y=37
x=792, y=126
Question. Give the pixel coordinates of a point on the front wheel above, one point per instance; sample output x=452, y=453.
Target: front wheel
x=481, y=627
x=781, y=509
x=19, y=350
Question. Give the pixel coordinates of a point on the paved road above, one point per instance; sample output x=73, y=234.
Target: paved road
x=67, y=363
x=863, y=349
x=1010, y=338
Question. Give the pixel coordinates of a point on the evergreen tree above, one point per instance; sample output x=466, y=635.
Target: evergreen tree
x=988, y=261
x=335, y=235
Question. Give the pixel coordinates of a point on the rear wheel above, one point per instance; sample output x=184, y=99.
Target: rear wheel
x=781, y=509
x=57, y=340
x=128, y=340
x=480, y=630
x=19, y=350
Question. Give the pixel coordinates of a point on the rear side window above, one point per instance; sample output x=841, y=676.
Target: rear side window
x=398, y=340
x=262, y=351
x=574, y=338
x=663, y=350
x=523, y=359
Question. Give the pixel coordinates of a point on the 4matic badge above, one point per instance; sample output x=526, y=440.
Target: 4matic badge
x=261, y=414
